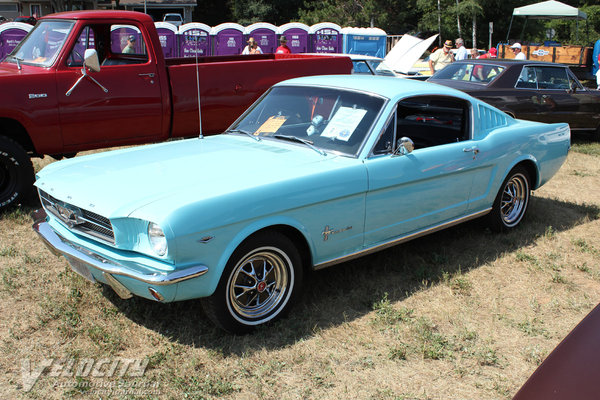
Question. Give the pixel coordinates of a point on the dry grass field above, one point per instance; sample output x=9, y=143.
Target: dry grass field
x=461, y=314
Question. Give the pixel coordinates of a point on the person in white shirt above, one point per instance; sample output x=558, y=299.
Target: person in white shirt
x=252, y=47
x=519, y=55
x=461, y=51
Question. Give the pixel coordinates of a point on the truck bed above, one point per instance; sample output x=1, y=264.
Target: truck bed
x=229, y=83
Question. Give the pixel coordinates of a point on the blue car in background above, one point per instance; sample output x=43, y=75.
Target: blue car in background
x=318, y=171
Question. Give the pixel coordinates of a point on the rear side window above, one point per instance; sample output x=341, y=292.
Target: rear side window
x=427, y=121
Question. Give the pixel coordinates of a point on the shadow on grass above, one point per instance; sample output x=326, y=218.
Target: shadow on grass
x=349, y=290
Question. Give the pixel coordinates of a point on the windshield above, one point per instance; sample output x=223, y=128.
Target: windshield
x=381, y=68
x=470, y=72
x=328, y=119
x=42, y=45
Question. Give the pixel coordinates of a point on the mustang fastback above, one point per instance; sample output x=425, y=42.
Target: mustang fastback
x=318, y=171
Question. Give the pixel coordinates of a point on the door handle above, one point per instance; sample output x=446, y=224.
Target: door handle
x=474, y=150
x=149, y=74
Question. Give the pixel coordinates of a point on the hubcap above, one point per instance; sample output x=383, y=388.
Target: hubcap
x=514, y=200
x=259, y=285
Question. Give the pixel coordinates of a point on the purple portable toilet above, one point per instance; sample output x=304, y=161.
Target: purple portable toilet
x=297, y=37
x=167, y=34
x=11, y=34
x=326, y=37
x=194, y=38
x=265, y=35
x=119, y=35
x=227, y=39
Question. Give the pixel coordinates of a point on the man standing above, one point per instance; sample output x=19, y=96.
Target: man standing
x=461, y=51
x=441, y=57
x=519, y=55
x=283, y=49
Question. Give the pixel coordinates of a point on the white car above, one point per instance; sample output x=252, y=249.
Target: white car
x=173, y=18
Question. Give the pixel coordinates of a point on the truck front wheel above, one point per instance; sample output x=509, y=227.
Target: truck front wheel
x=16, y=173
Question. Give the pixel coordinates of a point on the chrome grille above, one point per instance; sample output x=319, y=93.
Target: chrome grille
x=79, y=219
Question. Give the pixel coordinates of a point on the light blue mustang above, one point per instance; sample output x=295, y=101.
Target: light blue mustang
x=318, y=171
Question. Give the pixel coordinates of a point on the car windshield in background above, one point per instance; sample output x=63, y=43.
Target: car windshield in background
x=328, y=119
x=470, y=72
x=42, y=45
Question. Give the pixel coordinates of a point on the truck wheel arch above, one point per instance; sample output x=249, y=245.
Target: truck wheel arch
x=14, y=130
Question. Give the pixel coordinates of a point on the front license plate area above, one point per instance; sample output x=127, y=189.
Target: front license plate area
x=81, y=269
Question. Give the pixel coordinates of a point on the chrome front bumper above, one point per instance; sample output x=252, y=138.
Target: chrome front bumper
x=78, y=256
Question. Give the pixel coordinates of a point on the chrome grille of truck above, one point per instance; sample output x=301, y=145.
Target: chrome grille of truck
x=79, y=219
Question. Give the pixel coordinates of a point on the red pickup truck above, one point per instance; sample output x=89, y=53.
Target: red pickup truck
x=92, y=79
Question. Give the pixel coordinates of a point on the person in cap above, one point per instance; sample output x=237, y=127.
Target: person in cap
x=519, y=55
x=252, y=47
x=461, y=51
x=130, y=46
x=441, y=57
x=283, y=48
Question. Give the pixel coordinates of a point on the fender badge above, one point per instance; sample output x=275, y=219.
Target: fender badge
x=37, y=95
x=327, y=231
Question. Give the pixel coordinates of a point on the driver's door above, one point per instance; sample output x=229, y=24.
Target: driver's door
x=132, y=108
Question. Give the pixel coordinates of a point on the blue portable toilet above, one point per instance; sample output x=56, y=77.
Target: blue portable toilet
x=325, y=37
x=227, y=39
x=265, y=35
x=11, y=34
x=297, y=36
x=167, y=34
x=365, y=41
x=194, y=39
x=595, y=55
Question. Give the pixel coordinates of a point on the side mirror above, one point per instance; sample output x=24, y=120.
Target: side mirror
x=405, y=146
x=90, y=60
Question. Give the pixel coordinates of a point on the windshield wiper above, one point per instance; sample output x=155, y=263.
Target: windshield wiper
x=245, y=133
x=300, y=140
x=17, y=59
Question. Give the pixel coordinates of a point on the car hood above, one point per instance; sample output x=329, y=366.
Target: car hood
x=117, y=183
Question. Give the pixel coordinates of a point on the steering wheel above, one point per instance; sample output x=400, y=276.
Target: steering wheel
x=75, y=59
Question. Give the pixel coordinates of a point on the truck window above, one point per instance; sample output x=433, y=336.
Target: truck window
x=43, y=44
x=127, y=45
x=84, y=41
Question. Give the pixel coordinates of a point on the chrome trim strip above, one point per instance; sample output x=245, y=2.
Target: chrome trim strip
x=402, y=239
x=61, y=246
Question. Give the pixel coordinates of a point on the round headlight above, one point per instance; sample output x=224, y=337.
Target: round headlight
x=157, y=239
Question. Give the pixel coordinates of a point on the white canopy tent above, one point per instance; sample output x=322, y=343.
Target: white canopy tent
x=550, y=9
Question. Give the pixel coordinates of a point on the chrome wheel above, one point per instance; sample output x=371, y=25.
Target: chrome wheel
x=513, y=203
x=258, y=285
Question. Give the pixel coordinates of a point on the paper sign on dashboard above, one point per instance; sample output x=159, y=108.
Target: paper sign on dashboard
x=344, y=123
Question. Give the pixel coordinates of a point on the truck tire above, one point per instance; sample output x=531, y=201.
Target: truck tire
x=16, y=173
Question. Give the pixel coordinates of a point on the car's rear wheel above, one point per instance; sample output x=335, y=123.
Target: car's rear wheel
x=16, y=173
x=259, y=284
x=511, y=202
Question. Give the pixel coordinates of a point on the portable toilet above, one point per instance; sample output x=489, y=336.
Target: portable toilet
x=365, y=41
x=11, y=34
x=297, y=37
x=194, y=39
x=325, y=37
x=119, y=35
x=227, y=39
x=265, y=35
x=167, y=34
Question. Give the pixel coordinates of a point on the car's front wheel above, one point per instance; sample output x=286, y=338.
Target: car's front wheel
x=259, y=284
x=511, y=202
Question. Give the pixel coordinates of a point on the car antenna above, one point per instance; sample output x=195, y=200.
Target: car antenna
x=200, y=136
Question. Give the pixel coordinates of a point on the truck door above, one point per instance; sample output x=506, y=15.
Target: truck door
x=131, y=108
